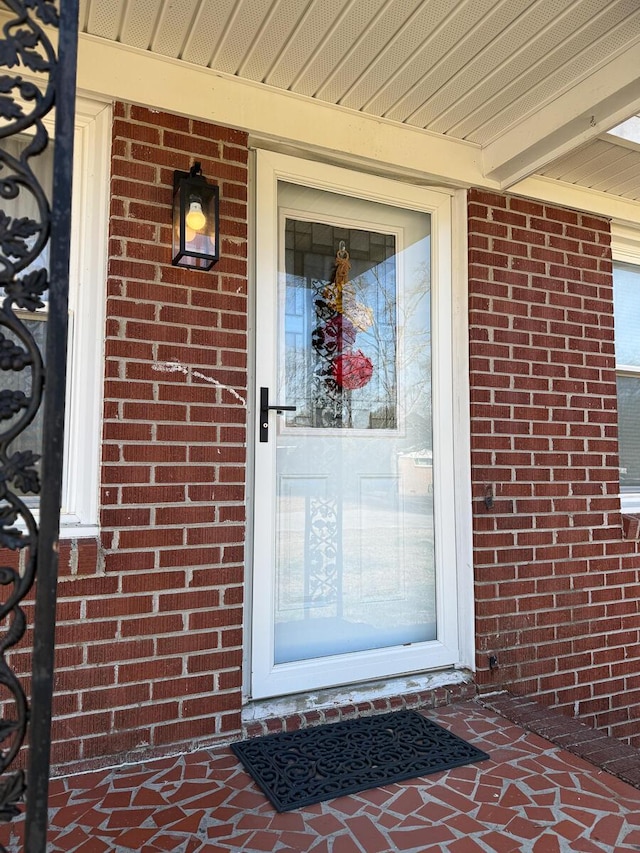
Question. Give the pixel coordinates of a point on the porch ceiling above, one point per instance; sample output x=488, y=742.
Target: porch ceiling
x=526, y=81
x=608, y=164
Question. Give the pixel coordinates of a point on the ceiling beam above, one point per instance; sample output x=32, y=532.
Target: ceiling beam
x=579, y=198
x=277, y=119
x=605, y=98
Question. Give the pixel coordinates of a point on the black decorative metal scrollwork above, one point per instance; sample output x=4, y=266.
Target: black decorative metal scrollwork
x=36, y=81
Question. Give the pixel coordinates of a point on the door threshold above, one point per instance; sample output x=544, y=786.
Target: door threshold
x=300, y=710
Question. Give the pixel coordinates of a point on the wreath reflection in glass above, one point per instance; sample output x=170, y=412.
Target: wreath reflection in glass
x=341, y=367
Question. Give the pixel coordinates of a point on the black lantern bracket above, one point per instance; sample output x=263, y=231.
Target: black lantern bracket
x=196, y=220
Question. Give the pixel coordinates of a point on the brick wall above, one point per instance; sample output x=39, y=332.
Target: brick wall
x=557, y=583
x=150, y=619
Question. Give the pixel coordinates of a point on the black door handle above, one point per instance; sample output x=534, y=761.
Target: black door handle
x=265, y=408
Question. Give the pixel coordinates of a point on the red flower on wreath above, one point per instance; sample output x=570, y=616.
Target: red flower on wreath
x=352, y=370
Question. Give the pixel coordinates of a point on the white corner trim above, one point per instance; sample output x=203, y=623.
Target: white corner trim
x=92, y=165
x=462, y=432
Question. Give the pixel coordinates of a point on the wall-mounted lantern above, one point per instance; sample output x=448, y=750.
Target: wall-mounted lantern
x=196, y=216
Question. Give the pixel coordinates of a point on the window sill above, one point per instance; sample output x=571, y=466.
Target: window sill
x=70, y=527
x=75, y=530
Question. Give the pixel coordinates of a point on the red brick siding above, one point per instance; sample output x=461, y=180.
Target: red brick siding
x=149, y=639
x=173, y=475
x=150, y=618
x=557, y=584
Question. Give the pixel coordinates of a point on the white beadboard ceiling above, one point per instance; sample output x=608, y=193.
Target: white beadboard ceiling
x=534, y=83
x=605, y=164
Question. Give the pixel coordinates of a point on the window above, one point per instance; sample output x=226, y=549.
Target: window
x=626, y=290
x=25, y=206
x=86, y=314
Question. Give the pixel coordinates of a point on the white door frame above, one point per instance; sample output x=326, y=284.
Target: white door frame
x=454, y=646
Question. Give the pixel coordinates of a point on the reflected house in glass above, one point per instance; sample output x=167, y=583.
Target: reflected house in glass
x=416, y=472
x=354, y=564
x=346, y=303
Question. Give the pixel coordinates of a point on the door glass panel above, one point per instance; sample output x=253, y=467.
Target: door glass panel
x=355, y=565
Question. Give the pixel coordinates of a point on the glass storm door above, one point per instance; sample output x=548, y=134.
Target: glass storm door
x=345, y=552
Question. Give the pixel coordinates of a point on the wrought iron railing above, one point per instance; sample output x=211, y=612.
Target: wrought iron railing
x=37, y=80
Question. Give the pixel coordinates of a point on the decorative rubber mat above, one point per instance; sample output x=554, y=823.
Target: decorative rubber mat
x=295, y=769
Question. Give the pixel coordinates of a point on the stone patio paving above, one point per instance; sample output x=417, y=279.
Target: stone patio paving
x=531, y=796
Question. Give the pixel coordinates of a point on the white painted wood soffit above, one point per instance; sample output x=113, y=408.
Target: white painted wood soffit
x=277, y=119
x=481, y=91
x=599, y=102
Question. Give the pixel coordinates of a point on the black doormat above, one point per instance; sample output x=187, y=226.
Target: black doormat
x=295, y=769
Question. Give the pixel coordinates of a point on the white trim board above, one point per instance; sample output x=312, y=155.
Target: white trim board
x=274, y=117
x=296, y=125
x=552, y=191
x=87, y=306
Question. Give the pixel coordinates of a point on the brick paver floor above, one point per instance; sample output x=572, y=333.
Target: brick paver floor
x=531, y=796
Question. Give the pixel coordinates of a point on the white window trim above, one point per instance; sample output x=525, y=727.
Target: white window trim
x=87, y=305
x=625, y=248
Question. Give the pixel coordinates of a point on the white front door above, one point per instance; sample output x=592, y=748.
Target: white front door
x=354, y=558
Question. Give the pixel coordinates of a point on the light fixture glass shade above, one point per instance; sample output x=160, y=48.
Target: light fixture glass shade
x=196, y=217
